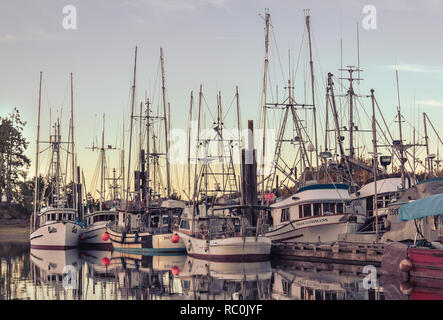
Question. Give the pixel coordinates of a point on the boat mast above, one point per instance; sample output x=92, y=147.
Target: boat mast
x=265, y=84
x=189, y=144
x=74, y=193
x=311, y=65
x=148, y=156
x=198, y=143
x=102, y=165
x=130, y=131
x=166, y=115
x=37, y=153
x=375, y=164
x=402, y=162
x=239, y=134
x=428, y=166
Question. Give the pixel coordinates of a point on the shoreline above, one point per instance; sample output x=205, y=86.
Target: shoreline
x=14, y=230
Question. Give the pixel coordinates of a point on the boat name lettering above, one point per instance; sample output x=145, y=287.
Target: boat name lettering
x=311, y=221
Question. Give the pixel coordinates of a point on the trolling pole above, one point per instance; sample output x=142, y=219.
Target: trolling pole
x=427, y=146
x=374, y=143
x=166, y=114
x=402, y=162
x=37, y=152
x=265, y=84
x=74, y=193
x=239, y=134
x=311, y=65
x=130, y=131
x=189, y=144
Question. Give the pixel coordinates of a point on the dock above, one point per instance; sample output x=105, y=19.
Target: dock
x=338, y=252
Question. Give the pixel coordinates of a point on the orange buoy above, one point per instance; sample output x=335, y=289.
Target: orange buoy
x=175, y=238
x=175, y=270
x=105, y=236
x=105, y=261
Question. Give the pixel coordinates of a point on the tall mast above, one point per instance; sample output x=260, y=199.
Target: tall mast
x=265, y=84
x=130, y=131
x=198, y=143
x=102, y=165
x=375, y=165
x=166, y=115
x=402, y=162
x=239, y=134
x=74, y=193
x=189, y=144
x=148, y=157
x=311, y=65
x=428, y=164
x=37, y=153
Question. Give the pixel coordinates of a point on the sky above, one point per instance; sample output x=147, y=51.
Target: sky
x=216, y=43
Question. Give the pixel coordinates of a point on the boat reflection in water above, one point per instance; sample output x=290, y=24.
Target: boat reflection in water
x=299, y=280
x=210, y=280
x=106, y=275
x=147, y=277
x=55, y=274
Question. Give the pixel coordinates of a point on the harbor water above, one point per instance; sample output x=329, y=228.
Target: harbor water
x=105, y=275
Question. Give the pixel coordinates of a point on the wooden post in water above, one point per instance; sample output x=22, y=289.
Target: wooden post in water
x=249, y=174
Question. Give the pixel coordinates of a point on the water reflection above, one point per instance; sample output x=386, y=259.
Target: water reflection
x=106, y=275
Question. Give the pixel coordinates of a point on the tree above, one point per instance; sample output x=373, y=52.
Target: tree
x=13, y=162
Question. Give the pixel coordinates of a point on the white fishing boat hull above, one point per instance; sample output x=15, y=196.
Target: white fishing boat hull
x=316, y=229
x=91, y=236
x=60, y=235
x=161, y=242
x=228, y=249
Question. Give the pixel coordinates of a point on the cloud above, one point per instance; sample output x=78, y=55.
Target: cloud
x=418, y=68
x=179, y=5
x=430, y=102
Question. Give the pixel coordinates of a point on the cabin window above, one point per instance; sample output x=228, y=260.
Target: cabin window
x=317, y=209
x=328, y=208
x=184, y=224
x=59, y=216
x=284, y=215
x=165, y=220
x=53, y=216
x=307, y=210
x=300, y=211
x=340, y=207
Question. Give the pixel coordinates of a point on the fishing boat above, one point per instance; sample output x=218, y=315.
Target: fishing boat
x=315, y=213
x=216, y=225
x=144, y=223
x=54, y=224
x=95, y=221
x=222, y=233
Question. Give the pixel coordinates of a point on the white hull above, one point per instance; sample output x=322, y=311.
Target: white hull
x=56, y=236
x=159, y=242
x=315, y=229
x=228, y=249
x=91, y=236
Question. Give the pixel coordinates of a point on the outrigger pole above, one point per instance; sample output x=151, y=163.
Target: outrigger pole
x=37, y=152
x=130, y=132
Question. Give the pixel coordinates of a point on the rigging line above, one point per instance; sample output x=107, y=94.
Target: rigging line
x=208, y=109
x=227, y=111
x=276, y=48
x=300, y=51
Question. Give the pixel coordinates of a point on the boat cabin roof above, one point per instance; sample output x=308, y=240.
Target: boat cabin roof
x=316, y=193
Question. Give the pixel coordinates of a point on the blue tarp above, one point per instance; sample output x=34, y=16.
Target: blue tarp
x=425, y=207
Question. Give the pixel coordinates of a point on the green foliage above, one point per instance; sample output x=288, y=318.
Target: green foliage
x=14, y=163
